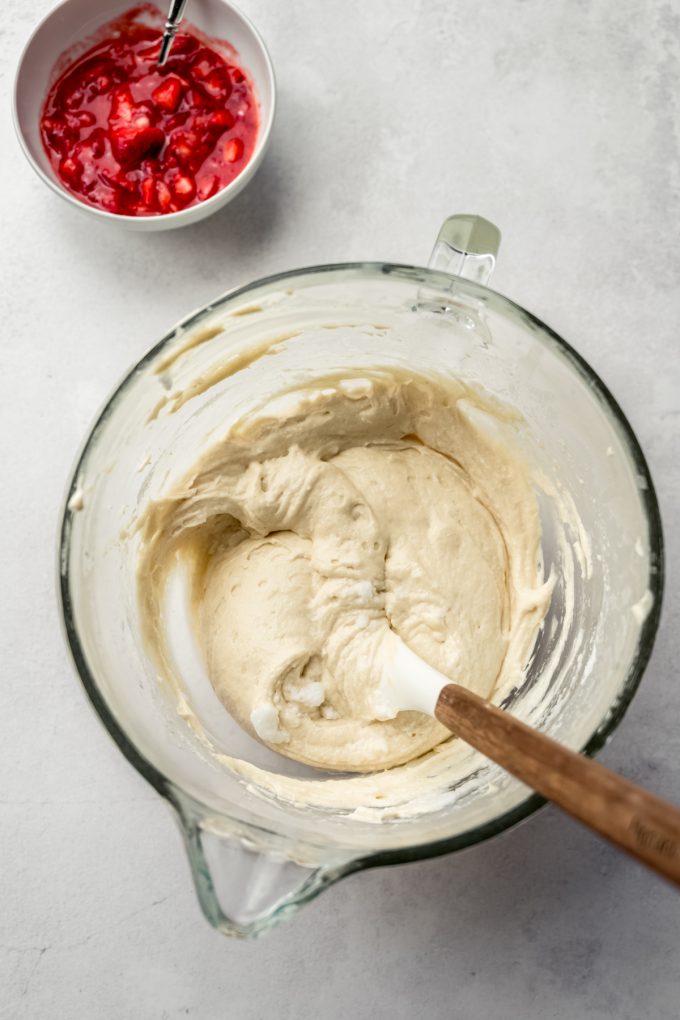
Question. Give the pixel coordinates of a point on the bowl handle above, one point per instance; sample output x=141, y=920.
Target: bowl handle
x=248, y=879
x=466, y=246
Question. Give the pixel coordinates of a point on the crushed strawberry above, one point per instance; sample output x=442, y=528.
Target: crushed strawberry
x=184, y=188
x=233, y=150
x=122, y=105
x=130, y=145
x=208, y=187
x=71, y=169
x=218, y=84
x=167, y=95
x=164, y=196
x=148, y=190
x=182, y=147
x=138, y=140
x=221, y=120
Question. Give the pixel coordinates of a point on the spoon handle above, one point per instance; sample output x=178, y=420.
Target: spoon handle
x=645, y=826
x=175, y=15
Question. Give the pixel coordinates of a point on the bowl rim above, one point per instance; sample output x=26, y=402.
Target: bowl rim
x=605, y=728
x=168, y=220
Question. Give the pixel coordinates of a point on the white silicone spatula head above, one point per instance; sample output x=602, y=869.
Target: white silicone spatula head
x=638, y=822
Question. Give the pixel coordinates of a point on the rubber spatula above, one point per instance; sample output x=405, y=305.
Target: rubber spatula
x=643, y=825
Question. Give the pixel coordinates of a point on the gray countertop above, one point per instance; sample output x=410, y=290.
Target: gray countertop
x=560, y=123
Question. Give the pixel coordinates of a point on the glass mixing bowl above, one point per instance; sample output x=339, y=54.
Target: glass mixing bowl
x=256, y=856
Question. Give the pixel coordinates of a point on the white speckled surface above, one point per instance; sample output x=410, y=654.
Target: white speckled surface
x=560, y=123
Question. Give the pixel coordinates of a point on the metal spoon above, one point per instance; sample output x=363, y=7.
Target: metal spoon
x=171, y=25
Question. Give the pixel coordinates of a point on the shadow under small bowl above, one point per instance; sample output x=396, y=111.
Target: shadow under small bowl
x=74, y=21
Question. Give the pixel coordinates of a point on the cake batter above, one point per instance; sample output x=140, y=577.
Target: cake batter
x=340, y=514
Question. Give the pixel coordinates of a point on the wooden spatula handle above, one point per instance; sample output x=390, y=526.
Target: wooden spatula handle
x=637, y=821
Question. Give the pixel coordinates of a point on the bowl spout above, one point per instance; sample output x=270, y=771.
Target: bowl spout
x=247, y=879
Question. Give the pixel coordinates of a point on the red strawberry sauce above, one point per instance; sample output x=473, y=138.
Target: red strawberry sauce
x=129, y=137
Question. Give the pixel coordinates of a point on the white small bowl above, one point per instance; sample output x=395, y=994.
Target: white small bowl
x=74, y=20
